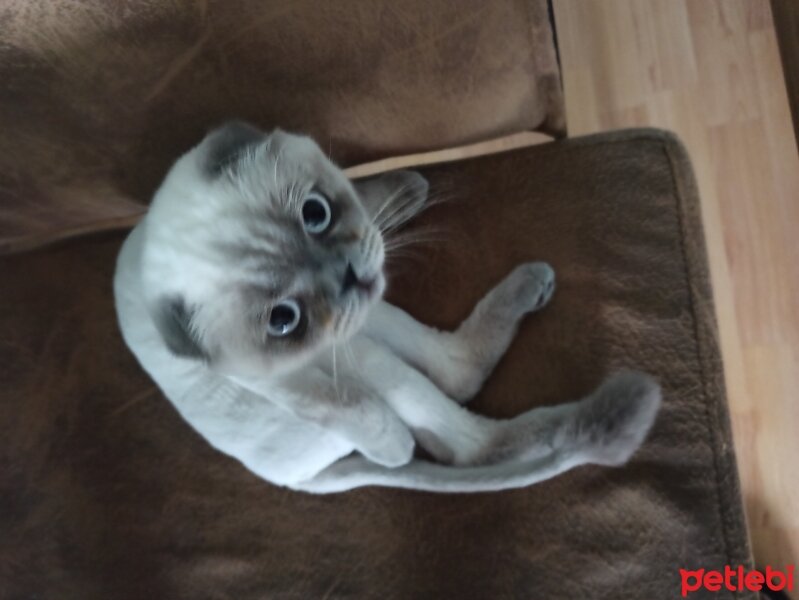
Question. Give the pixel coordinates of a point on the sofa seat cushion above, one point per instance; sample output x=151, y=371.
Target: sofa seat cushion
x=107, y=493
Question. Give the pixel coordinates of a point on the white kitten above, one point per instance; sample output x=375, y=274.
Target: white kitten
x=251, y=294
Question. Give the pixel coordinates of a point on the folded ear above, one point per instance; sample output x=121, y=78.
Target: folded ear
x=392, y=198
x=173, y=319
x=226, y=144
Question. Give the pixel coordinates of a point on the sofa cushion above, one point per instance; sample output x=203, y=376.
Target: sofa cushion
x=107, y=493
x=100, y=96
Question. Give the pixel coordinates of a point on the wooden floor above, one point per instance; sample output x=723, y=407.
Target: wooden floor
x=710, y=70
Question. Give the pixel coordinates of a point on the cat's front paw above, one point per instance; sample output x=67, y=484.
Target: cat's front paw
x=530, y=286
x=393, y=449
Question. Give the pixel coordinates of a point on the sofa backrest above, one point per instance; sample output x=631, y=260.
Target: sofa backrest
x=98, y=97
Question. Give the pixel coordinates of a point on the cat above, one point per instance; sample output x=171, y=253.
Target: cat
x=251, y=293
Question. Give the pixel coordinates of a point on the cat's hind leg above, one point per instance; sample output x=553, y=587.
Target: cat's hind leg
x=605, y=427
x=459, y=361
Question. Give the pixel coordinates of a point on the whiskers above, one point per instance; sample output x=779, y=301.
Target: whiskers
x=349, y=358
x=401, y=206
x=406, y=244
x=396, y=211
x=349, y=355
x=335, y=375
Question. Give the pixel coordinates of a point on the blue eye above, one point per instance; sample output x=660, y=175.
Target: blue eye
x=283, y=318
x=316, y=214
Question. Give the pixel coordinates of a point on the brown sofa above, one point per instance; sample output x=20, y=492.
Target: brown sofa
x=106, y=493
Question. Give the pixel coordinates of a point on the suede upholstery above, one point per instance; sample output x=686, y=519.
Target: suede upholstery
x=98, y=97
x=106, y=493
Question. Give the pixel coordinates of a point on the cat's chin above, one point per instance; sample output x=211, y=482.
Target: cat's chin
x=375, y=288
x=368, y=297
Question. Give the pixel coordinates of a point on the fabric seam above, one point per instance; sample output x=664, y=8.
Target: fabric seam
x=536, y=64
x=710, y=417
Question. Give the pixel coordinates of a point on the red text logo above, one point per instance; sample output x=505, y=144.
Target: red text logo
x=736, y=580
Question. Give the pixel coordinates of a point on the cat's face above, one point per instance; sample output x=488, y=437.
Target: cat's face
x=259, y=252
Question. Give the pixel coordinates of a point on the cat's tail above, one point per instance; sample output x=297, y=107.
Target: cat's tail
x=605, y=428
x=356, y=471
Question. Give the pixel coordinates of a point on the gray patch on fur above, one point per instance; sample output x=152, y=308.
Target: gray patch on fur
x=605, y=428
x=614, y=421
x=227, y=144
x=173, y=320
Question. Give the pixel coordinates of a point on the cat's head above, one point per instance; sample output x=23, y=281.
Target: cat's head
x=259, y=251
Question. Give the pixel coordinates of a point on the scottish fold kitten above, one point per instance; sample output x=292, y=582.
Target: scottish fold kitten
x=251, y=293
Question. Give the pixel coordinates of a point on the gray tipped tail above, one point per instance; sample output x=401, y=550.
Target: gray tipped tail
x=612, y=423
